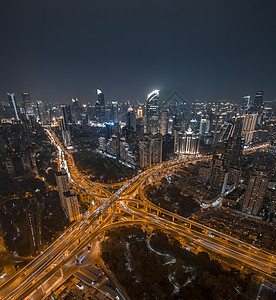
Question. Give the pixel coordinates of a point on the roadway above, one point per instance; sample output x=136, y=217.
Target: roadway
x=79, y=234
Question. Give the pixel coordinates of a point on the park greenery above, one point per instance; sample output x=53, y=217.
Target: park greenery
x=166, y=270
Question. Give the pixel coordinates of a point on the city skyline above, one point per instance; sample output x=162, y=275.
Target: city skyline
x=216, y=52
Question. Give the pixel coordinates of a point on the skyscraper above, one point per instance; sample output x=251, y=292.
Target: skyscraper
x=75, y=112
x=245, y=103
x=131, y=119
x=258, y=104
x=255, y=192
x=187, y=143
x=249, y=123
x=71, y=205
x=13, y=105
x=164, y=121
x=152, y=113
x=67, y=195
x=100, y=107
x=27, y=104
x=114, y=112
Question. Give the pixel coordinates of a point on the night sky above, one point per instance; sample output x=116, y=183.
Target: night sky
x=206, y=50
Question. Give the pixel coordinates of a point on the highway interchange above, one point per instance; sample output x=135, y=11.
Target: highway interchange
x=99, y=218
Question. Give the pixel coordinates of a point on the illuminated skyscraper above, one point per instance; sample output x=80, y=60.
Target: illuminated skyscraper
x=258, y=104
x=187, y=143
x=75, y=112
x=114, y=112
x=13, y=105
x=249, y=123
x=100, y=106
x=164, y=121
x=27, y=104
x=131, y=119
x=152, y=113
x=245, y=103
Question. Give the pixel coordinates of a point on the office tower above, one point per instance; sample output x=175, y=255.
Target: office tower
x=75, y=112
x=249, y=123
x=152, y=113
x=145, y=150
x=188, y=143
x=204, y=126
x=258, y=104
x=156, y=144
x=131, y=119
x=164, y=121
x=13, y=106
x=114, y=112
x=71, y=205
x=255, y=192
x=41, y=113
x=245, y=103
x=27, y=105
x=139, y=113
x=65, y=114
x=100, y=107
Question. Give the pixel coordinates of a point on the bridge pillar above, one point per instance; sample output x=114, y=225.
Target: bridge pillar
x=137, y=205
x=90, y=228
x=173, y=219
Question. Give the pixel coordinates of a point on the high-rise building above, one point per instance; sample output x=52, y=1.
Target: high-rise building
x=67, y=195
x=140, y=112
x=131, y=119
x=145, y=151
x=245, y=103
x=40, y=112
x=187, y=143
x=100, y=107
x=150, y=147
x=152, y=113
x=164, y=121
x=71, y=205
x=249, y=123
x=156, y=144
x=75, y=111
x=255, y=192
x=13, y=106
x=204, y=126
x=66, y=112
x=62, y=184
x=27, y=104
x=232, y=152
x=258, y=104
x=114, y=112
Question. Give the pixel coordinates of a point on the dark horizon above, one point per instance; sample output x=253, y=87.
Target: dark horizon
x=207, y=51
